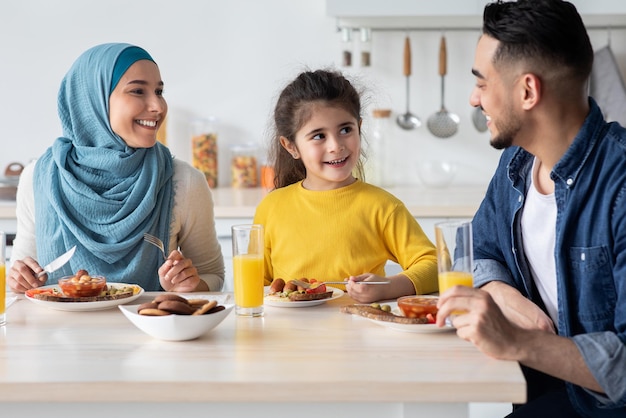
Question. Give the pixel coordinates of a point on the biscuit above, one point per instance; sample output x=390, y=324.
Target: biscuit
x=205, y=308
x=153, y=312
x=176, y=307
x=147, y=305
x=197, y=303
x=216, y=309
x=169, y=296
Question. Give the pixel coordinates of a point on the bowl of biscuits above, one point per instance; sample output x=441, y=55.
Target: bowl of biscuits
x=172, y=317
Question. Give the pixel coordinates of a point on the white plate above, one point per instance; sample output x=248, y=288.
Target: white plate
x=286, y=303
x=417, y=328
x=86, y=306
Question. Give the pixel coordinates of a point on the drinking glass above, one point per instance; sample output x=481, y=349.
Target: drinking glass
x=455, y=256
x=248, y=256
x=3, y=279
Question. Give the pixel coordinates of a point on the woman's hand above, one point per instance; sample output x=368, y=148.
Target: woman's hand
x=21, y=277
x=178, y=274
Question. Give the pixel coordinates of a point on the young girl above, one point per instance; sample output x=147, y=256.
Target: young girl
x=321, y=221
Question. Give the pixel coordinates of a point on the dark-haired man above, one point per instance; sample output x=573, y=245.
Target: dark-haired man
x=550, y=236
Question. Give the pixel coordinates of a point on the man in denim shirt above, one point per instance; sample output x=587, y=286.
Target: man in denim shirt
x=550, y=236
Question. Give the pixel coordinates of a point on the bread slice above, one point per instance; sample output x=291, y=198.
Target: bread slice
x=61, y=298
x=370, y=312
x=299, y=297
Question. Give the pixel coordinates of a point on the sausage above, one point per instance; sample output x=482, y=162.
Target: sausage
x=290, y=286
x=277, y=286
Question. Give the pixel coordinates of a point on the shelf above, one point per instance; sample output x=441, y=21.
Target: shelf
x=451, y=15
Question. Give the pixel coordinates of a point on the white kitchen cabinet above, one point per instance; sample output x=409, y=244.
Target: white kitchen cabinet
x=428, y=14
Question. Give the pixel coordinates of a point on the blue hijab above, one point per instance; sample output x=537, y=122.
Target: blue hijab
x=94, y=191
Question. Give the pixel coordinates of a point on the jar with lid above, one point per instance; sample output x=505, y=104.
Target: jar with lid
x=267, y=175
x=243, y=166
x=347, y=46
x=204, y=148
x=366, y=47
x=380, y=153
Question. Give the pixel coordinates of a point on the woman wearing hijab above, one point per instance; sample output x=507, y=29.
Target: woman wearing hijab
x=107, y=181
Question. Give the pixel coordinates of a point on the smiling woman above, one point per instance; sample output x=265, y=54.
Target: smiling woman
x=107, y=181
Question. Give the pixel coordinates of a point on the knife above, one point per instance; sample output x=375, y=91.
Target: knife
x=57, y=263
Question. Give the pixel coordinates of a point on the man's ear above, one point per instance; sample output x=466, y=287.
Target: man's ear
x=289, y=146
x=530, y=90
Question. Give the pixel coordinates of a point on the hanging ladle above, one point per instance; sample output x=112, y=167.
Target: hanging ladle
x=443, y=124
x=408, y=120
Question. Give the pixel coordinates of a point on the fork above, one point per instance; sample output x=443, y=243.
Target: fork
x=306, y=285
x=156, y=241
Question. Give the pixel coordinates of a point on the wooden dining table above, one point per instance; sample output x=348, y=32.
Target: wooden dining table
x=308, y=362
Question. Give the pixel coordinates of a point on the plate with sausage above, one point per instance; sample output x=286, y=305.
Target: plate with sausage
x=285, y=295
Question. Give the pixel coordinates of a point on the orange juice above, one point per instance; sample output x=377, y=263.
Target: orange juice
x=448, y=279
x=248, y=278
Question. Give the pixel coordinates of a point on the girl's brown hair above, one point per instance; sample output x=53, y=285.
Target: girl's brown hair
x=292, y=111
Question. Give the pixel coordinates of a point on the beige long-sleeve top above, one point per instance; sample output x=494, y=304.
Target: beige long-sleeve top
x=192, y=228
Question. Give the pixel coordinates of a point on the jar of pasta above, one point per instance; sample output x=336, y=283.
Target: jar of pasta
x=204, y=148
x=243, y=166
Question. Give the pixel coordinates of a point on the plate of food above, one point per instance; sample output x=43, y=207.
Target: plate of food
x=410, y=314
x=288, y=295
x=92, y=294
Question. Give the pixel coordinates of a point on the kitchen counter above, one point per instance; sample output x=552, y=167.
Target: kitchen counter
x=422, y=202
x=7, y=209
x=450, y=202
x=311, y=362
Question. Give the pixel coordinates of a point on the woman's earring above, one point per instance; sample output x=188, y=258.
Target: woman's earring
x=295, y=155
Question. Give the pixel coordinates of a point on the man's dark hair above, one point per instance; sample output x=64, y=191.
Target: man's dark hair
x=546, y=34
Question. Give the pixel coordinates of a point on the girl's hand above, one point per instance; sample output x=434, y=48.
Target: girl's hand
x=366, y=294
x=178, y=274
x=21, y=277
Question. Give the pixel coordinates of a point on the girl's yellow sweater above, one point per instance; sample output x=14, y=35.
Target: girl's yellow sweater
x=334, y=234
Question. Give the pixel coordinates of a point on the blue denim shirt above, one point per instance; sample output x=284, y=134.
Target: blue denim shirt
x=590, y=251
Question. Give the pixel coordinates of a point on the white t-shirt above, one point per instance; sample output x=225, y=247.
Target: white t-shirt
x=538, y=235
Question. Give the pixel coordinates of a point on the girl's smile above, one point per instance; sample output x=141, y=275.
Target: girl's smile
x=327, y=143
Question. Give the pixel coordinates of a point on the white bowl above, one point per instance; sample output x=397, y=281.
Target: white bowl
x=436, y=173
x=175, y=327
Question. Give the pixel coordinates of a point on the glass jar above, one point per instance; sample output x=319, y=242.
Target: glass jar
x=346, y=46
x=380, y=154
x=162, y=133
x=267, y=175
x=366, y=47
x=243, y=166
x=204, y=148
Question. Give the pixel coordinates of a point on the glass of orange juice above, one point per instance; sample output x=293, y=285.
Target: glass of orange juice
x=3, y=279
x=455, y=257
x=248, y=256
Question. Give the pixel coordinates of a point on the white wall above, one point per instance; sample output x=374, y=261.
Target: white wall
x=230, y=59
